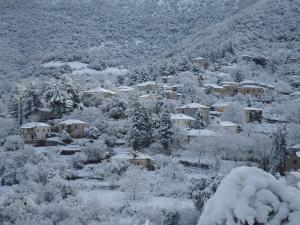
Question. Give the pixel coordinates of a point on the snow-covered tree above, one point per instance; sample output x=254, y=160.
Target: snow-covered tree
x=203, y=189
x=95, y=151
x=278, y=152
x=61, y=95
x=134, y=183
x=200, y=120
x=165, y=130
x=140, y=131
x=234, y=113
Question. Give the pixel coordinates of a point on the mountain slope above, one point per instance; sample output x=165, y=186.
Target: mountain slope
x=262, y=28
x=126, y=31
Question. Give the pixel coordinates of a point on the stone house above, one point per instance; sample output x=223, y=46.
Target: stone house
x=202, y=62
x=182, y=120
x=76, y=128
x=173, y=95
x=192, y=108
x=215, y=89
x=230, y=88
x=225, y=126
x=35, y=133
x=252, y=114
x=142, y=160
x=149, y=87
x=125, y=91
x=136, y=158
x=196, y=134
x=99, y=92
x=253, y=90
x=293, y=159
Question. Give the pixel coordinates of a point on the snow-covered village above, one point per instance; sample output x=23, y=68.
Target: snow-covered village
x=159, y=112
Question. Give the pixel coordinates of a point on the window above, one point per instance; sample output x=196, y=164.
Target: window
x=43, y=130
x=295, y=161
x=37, y=130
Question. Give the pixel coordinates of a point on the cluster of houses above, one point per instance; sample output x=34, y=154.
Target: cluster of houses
x=40, y=133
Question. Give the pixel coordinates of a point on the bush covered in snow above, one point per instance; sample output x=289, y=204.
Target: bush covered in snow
x=251, y=196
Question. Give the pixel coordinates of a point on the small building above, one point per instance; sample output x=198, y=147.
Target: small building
x=253, y=114
x=220, y=106
x=225, y=126
x=173, y=95
x=200, y=61
x=176, y=87
x=253, y=90
x=148, y=98
x=293, y=161
x=182, y=120
x=230, y=88
x=35, y=133
x=142, y=160
x=149, y=86
x=215, y=89
x=194, y=134
x=192, y=108
x=125, y=91
x=98, y=92
x=135, y=158
x=76, y=128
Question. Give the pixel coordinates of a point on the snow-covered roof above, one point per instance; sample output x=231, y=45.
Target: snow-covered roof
x=227, y=124
x=252, y=109
x=176, y=85
x=34, y=125
x=147, y=96
x=220, y=104
x=252, y=86
x=125, y=88
x=70, y=148
x=144, y=84
x=247, y=82
x=181, y=116
x=72, y=121
x=215, y=86
x=230, y=83
x=193, y=105
x=131, y=155
x=44, y=109
x=201, y=133
x=296, y=93
x=198, y=58
x=296, y=146
x=100, y=90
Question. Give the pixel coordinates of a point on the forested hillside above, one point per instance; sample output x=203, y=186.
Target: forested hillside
x=121, y=31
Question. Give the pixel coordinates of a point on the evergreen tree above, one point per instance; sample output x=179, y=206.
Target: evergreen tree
x=31, y=99
x=279, y=152
x=165, y=130
x=140, y=132
x=61, y=95
x=25, y=101
x=200, y=120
